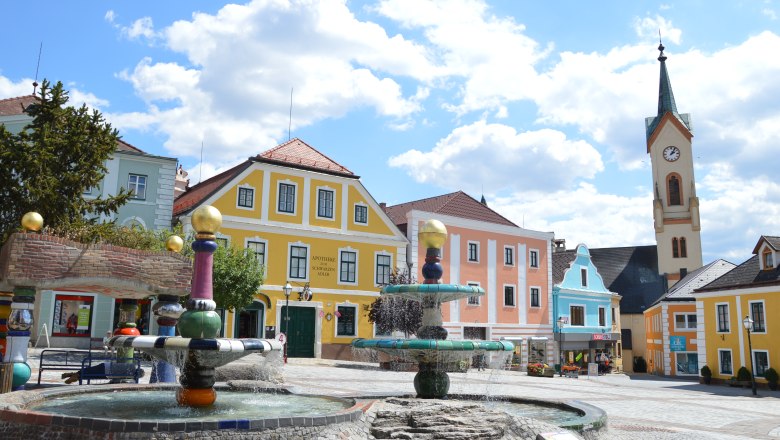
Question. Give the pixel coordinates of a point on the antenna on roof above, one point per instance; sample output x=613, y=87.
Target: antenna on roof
x=37, y=66
x=289, y=121
x=200, y=172
x=659, y=36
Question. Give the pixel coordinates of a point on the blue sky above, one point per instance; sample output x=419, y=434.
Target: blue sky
x=539, y=106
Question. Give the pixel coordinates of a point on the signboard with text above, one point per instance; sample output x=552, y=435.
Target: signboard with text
x=677, y=343
x=602, y=336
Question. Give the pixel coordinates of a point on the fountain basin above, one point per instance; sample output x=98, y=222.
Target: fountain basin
x=447, y=354
x=440, y=292
x=25, y=415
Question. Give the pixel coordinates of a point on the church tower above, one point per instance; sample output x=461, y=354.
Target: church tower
x=675, y=205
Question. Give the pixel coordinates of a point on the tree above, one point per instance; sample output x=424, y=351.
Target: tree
x=237, y=277
x=392, y=313
x=49, y=165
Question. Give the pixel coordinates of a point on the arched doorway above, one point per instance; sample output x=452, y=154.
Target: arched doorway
x=250, y=321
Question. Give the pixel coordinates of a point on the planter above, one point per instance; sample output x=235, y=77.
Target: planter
x=706, y=380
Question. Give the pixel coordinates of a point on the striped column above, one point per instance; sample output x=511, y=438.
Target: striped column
x=20, y=321
x=167, y=309
x=5, y=310
x=126, y=327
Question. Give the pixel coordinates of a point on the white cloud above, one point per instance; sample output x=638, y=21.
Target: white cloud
x=143, y=27
x=498, y=158
x=769, y=13
x=648, y=28
x=10, y=89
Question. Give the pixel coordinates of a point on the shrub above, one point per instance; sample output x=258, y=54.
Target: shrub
x=706, y=372
x=640, y=365
x=743, y=374
x=536, y=369
x=771, y=375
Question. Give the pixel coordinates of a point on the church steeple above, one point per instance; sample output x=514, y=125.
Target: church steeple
x=665, y=96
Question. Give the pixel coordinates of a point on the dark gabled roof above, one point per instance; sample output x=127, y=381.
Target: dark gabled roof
x=296, y=153
x=561, y=261
x=457, y=204
x=17, y=105
x=772, y=241
x=631, y=272
x=195, y=195
x=683, y=289
x=747, y=274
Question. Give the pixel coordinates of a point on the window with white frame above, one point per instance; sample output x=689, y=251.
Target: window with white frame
x=222, y=242
x=577, y=315
x=258, y=248
x=687, y=363
x=533, y=258
x=509, y=256
x=723, y=318
x=761, y=362
x=769, y=262
x=346, y=320
x=473, y=251
x=361, y=214
x=246, y=197
x=325, y=203
x=473, y=300
x=136, y=184
x=347, y=266
x=757, y=315
x=383, y=269
x=584, y=277
x=684, y=321
x=298, y=262
x=286, y=198
x=535, y=297
x=602, y=317
x=509, y=296
x=724, y=362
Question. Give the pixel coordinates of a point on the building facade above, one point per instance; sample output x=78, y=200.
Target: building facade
x=311, y=223
x=485, y=249
x=750, y=290
x=671, y=324
x=151, y=178
x=585, y=313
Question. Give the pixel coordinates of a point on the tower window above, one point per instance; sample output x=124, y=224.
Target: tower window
x=679, y=248
x=683, y=248
x=675, y=194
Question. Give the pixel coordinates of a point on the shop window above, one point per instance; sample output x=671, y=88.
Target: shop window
x=537, y=351
x=143, y=314
x=72, y=315
x=345, y=321
x=687, y=363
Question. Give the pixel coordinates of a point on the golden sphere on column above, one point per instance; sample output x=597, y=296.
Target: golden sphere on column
x=174, y=243
x=433, y=234
x=206, y=219
x=32, y=221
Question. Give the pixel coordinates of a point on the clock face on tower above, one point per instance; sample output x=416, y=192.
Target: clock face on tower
x=671, y=153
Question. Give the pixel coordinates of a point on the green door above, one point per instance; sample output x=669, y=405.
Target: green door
x=300, y=338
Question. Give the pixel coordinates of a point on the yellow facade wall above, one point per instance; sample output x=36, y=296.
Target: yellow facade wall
x=654, y=335
x=228, y=203
x=736, y=339
x=273, y=214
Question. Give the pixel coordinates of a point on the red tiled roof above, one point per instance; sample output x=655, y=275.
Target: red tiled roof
x=124, y=146
x=195, y=195
x=16, y=106
x=457, y=204
x=298, y=154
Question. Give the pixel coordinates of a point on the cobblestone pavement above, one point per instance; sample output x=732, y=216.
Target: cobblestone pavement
x=638, y=406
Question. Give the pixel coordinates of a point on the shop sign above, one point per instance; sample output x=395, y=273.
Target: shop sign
x=323, y=266
x=602, y=336
x=677, y=343
x=83, y=317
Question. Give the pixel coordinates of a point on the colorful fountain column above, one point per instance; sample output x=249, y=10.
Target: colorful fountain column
x=200, y=320
x=126, y=327
x=167, y=309
x=20, y=321
x=5, y=310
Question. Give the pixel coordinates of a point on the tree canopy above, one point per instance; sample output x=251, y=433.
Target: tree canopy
x=48, y=166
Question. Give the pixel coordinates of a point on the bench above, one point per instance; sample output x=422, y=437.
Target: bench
x=61, y=360
x=112, y=369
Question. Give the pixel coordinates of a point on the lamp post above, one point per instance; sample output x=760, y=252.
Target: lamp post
x=287, y=289
x=748, y=323
x=560, y=345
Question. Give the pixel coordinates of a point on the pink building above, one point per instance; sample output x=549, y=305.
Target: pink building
x=483, y=248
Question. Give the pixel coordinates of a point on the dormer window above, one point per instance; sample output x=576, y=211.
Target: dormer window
x=769, y=261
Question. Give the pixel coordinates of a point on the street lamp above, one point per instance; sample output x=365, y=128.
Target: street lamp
x=287, y=289
x=561, y=321
x=748, y=323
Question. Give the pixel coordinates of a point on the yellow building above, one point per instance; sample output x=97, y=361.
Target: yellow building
x=751, y=290
x=312, y=224
x=671, y=324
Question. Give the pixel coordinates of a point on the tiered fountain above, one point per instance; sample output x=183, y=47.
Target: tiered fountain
x=434, y=354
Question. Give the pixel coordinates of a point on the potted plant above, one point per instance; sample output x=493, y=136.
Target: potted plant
x=743, y=377
x=706, y=374
x=771, y=377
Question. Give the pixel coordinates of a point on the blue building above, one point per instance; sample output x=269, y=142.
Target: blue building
x=585, y=313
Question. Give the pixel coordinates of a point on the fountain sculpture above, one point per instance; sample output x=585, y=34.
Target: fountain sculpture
x=198, y=348
x=434, y=354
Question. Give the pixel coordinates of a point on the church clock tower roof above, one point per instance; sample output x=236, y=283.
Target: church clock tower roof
x=666, y=103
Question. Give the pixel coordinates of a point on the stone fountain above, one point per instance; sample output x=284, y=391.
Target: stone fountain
x=434, y=354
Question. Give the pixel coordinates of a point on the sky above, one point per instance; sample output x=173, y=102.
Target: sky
x=538, y=106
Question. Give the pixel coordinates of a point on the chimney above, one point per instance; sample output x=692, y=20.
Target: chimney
x=383, y=205
x=559, y=244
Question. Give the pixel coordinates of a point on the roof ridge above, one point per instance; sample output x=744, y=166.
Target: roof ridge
x=18, y=97
x=440, y=196
x=327, y=164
